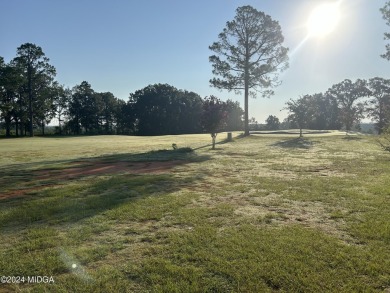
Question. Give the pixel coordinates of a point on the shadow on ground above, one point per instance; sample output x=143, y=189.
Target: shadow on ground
x=348, y=137
x=290, y=132
x=67, y=203
x=70, y=204
x=295, y=143
x=225, y=141
x=18, y=180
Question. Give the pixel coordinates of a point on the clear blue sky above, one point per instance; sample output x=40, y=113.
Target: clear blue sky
x=124, y=45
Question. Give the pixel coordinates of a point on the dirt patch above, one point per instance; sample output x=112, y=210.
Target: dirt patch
x=81, y=169
x=21, y=192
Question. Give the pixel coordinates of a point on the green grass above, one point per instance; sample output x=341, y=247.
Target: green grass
x=266, y=213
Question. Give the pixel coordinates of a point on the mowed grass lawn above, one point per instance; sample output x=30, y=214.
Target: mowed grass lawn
x=265, y=213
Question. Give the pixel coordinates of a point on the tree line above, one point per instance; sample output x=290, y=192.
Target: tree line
x=343, y=105
x=30, y=98
x=248, y=56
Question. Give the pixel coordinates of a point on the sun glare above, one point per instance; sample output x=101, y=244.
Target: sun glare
x=323, y=19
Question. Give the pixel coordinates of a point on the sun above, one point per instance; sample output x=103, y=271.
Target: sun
x=323, y=19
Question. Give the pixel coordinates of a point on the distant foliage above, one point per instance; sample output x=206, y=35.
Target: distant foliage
x=90, y=112
x=349, y=95
x=378, y=107
x=344, y=104
x=325, y=113
x=272, y=123
x=27, y=90
x=163, y=109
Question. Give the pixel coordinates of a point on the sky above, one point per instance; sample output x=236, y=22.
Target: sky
x=122, y=46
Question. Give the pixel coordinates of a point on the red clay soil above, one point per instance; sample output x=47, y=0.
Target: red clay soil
x=83, y=169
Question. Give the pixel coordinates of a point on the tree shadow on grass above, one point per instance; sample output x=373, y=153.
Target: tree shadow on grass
x=349, y=137
x=295, y=143
x=225, y=141
x=290, y=132
x=70, y=204
x=20, y=179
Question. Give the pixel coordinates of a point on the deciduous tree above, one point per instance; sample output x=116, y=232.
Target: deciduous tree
x=83, y=109
x=45, y=105
x=163, y=109
x=109, y=112
x=126, y=119
x=379, y=106
x=348, y=94
x=325, y=112
x=301, y=112
x=272, y=123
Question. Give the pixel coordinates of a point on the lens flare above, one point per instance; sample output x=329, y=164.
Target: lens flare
x=323, y=19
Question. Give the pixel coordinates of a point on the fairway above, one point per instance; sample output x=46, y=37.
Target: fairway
x=264, y=213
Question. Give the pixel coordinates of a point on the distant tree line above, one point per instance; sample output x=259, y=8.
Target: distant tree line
x=343, y=105
x=30, y=99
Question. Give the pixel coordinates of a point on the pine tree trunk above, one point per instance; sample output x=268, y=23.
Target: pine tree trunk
x=246, y=110
x=246, y=93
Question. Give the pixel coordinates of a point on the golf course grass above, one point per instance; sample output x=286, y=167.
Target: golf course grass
x=265, y=213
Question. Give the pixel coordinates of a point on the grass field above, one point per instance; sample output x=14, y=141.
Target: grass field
x=265, y=213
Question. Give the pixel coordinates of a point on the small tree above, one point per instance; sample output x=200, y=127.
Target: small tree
x=213, y=116
x=272, y=123
x=300, y=112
